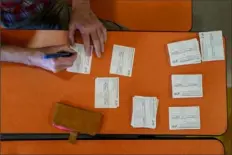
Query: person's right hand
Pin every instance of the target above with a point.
(54, 65)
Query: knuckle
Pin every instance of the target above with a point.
(85, 32)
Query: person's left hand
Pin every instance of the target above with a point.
(84, 20)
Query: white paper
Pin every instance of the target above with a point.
(212, 47)
(83, 62)
(122, 60)
(187, 86)
(184, 52)
(106, 92)
(144, 112)
(181, 118)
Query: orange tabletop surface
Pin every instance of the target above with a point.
(154, 147)
(28, 95)
(147, 15)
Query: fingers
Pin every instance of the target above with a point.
(60, 68)
(71, 34)
(96, 31)
(102, 39)
(86, 41)
(66, 60)
(62, 64)
(96, 43)
(103, 29)
(85, 37)
(58, 64)
(67, 48)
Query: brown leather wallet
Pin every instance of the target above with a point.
(76, 120)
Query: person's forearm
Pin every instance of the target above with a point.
(17, 54)
(81, 3)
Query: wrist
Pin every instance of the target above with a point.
(80, 5)
(35, 58)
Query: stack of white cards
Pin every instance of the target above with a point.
(212, 47)
(187, 86)
(181, 118)
(106, 92)
(144, 112)
(83, 62)
(122, 60)
(184, 52)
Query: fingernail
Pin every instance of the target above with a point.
(99, 55)
(103, 49)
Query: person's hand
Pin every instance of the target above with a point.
(91, 29)
(54, 65)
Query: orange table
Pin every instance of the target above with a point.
(28, 95)
(146, 15)
(149, 147)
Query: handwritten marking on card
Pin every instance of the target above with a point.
(181, 118)
(106, 92)
(212, 47)
(184, 52)
(122, 60)
(83, 62)
(144, 112)
(187, 86)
